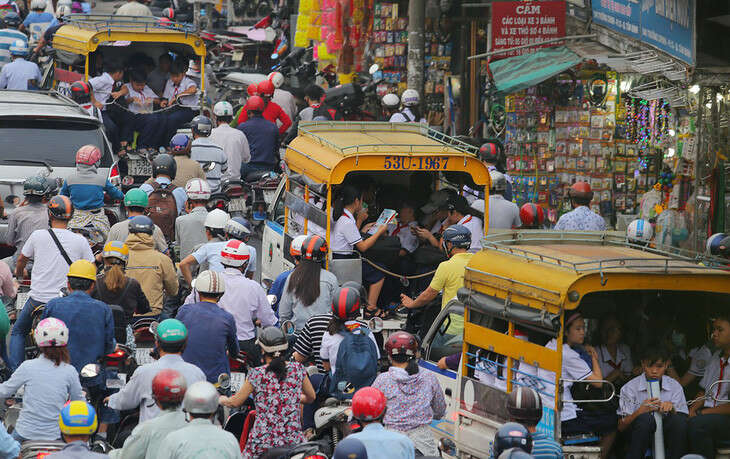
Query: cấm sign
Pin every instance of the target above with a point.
(522, 23)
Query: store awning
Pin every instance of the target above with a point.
(520, 72)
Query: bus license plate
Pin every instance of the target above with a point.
(425, 163)
(139, 167)
(237, 205)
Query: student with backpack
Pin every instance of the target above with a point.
(350, 343)
(166, 201)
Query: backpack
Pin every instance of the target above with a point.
(357, 362)
(162, 208)
(385, 250)
(330, 113)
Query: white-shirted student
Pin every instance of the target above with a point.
(182, 90)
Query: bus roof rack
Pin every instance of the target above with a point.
(103, 22)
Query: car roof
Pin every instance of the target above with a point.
(46, 104)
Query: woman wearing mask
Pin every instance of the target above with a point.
(414, 397)
(278, 388)
(308, 290)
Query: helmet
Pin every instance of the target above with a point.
(489, 151)
(350, 448)
(524, 405)
(116, 249)
(515, 453)
(216, 219)
(498, 183)
(235, 253)
(168, 13)
(277, 79)
(60, 208)
(168, 386)
(209, 282)
(295, 248)
(235, 230)
(401, 343)
(164, 164)
(201, 125)
(410, 98)
(272, 340)
(141, 224)
(640, 231)
(36, 185)
(51, 332)
(255, 104)
(713, 243)
(83, 269)
(18, 47)
(252, 90)
(346, 303)
(171, 331)
(197, 189)
(581, 191)
(368, 404)
(266, 88)
(80, 92)
(201, 398)
(458, 236)
(391, 100)
(12, 19)
(62, 10)
(531, 215)
(77, 418)
(179, 143)
(246, 224)
(65, 2)
(38, 5)
(360, 288)
(223, 108)
(511, 435)
(136, 198)
(88, 155)
(314, 248)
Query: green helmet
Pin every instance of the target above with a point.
(36, 185)
(135, 198)
(171, 331)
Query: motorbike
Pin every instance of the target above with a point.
(231, 199)
(350, 98)
(40, 448)
(135, 167)
(261, 187)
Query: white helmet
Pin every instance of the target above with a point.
(51, 332)
(216, 219)
(235, 253)
(38, 5)
(64, 2)
(209, 282)
(201, 398)
(223, 108)
(410, 97)
(198, 190)
(236, 230)
(62, 10)
(277, 79)
(498, 181)
(19, 48)
(391, 100)
(295, 249)
(640, 231)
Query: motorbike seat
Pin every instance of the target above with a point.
(255, 176)
(247, 426)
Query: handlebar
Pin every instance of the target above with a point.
(613, 389)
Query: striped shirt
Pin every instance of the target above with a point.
(204, 151)
(7, 38)
(544, 447)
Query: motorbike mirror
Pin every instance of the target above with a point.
(224, 381)
(153, 327)
(271, 299)
(447, 445)
(288, 327)
(373, 69)
(90, 370)
(376, 324)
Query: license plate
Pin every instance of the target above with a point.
(20, 300)
(142, 355)
(114, 383)
(237, 380)
(139, 167)
(237, 205)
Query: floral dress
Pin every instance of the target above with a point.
(278, 421)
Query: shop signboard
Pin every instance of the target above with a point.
(522, 23)
(665, 24)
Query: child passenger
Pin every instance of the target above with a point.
(141, 99)
(181, 90)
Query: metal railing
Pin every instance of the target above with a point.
(107, 22)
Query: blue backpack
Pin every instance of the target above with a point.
(357, 362)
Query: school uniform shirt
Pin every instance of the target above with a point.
(147, 96)
(622, 360)
(331, 344)
(503, 214)
(573, 368)
(717, 368)
(16, 74)
(7, 38)
(406, 116)
(699, 358)
(103, 86)
(190, 101)
(408, 241)
(345, 234)
(634, 392)
(476, 226)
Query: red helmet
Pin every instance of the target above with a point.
(80, 92)
(368, 404)
(401, 343)
(168, 386)
(346, 303)
(168, 13)
(88, 154)
(255, 104)
(531, 215)
(252, 90)
(266, 88)
(60, 208)
(581, 191)
(490, 151)
(314, 248)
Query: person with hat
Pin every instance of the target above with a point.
(460, 214)
(503, 214)
(171, 338)
(581, 218)
(78, 423)
(164, 171)
(186, 167)
(20, 74)
(369, 406)
(411, 113)
(190, 227)
(282, 97)
(262, 135)
(511, 435)
(532, 215)
(168, 390)
(270, 110)
(58, 248)
(435, 212)
(233, 141)
(208, 153)
(135, 204)
(9, 33)
(32, 215)
(524, 406)
(208, 255)
(491, 153)
(211, 329)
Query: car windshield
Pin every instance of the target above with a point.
(52, 141)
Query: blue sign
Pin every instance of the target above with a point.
(665, 24)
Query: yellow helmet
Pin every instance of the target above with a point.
(77, 418)
(83, 269)
(116, 249)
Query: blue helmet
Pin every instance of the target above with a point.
(350, 448)
(246, 224)
(458, 235)
(512, 435)
(141, 224)
(12, 19)
(515, 453)
(179, 142)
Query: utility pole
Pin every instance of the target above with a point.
(416, 40)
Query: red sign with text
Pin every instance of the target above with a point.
(522, 23)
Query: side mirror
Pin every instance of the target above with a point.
(373, 69)
(375, 324)
(272, 299)
(224, 381)
(153, 328)
(447, 445)
(288, 328)
(90, 370)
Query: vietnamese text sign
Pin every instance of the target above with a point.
(522, 23)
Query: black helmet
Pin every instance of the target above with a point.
(458, 236)
(314, 248)
(515, 453)
(36, 185)
(164, 164)
(12, 19)
(512, 435)
(524, 406)
(141, 224)
(81, 92)
(272, 341)
(201, 125)
(350, 448)
(346, 303)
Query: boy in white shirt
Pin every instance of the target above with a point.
(180, 90)
(142, 100)
(102, 87)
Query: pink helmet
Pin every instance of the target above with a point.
(51, 332)
(88, 154)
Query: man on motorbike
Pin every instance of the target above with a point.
(78, 423)
(263, 138)
(187, 168)
(210, 253)
(240, 228)
(201, 438)
(170, 339)
(164, 170)
(168, 390)
(390, 103)
(81, 94)
(54, 250)
(135, 203)
(190, 227)
(233, 141)
(208, 153)
(270, 110)
(8, 34)
(29, 217)
(282, 97)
